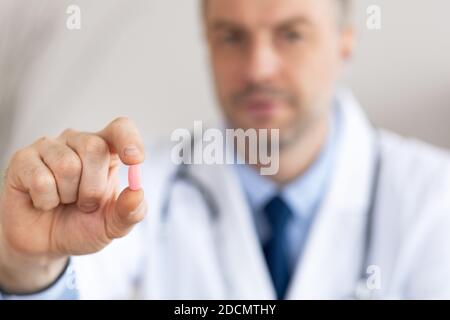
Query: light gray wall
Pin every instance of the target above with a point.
(401, 74)
(145, 59)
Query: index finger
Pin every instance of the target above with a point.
(124, 138)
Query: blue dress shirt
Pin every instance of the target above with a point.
(304, 195)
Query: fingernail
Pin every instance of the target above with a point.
(131, 151)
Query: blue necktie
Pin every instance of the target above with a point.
(275, 250)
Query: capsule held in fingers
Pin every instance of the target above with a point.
(134, 177)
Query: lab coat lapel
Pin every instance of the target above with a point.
(241, 258)
(331, 263)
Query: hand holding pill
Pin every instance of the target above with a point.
(64, 190)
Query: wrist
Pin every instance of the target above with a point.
(25, 274)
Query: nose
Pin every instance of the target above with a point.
(263, 62)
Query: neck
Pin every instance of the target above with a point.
(297, 157)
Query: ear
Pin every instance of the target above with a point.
(347, 43)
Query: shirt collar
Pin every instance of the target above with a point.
(305, 193)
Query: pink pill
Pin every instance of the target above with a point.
(134, 177)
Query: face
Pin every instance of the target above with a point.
(275, 62)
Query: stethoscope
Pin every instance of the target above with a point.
(362, 291)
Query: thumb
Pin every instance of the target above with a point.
(130, 208)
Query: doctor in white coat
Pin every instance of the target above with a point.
(353, 212)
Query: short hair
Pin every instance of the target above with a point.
(345, 11)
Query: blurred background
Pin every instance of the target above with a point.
(145, 59)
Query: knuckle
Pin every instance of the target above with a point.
(20, 156)
(17, 158)
(42, 183)
(94, 145)
(20, 164)
(68, 132)
(68, 166)
(43, 140)
(120, 121)
(121, 125)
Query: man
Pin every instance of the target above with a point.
(302, 233)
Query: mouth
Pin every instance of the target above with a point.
(261, 109)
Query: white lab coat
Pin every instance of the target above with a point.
(192, 258)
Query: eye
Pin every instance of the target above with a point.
(292, 35)
(232, 37)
